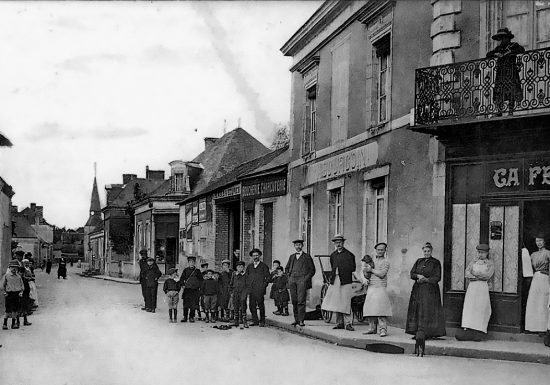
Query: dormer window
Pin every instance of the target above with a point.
(178, 183)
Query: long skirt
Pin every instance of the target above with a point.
(377, 303)
(477, 306)
(13, 304)
(425, 311)
(536, 312)
(338, 298)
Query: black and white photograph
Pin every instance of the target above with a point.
(275, 192)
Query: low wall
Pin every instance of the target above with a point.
(124, 270)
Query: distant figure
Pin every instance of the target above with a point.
(49, 266)
(507, 81)
(62, 269)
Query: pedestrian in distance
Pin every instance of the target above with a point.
(62, 269)
(209, 290)
(142, 269)
(339, 293)
(172, 288)
(300, 270)
(239, 291)
(224, 293)
(257, 278)
(281, 295)
(190, 281)
(425, 313)
(273, 276)
(12, 287)
(377, 306)
(152, 275)
(48, 266)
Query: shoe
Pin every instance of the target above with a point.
(350, 328)
(383, 334)
(246, 325)
(262, 324)
(148, 310)
(241, 326)
(152, 310)
(183, 320)
(254, 323)
(285, 313)
(339, 326)
(143, 308)
(206, 321)
(192, 320)
(213, 321)
(27, 323)
(277, 312)
(15, 327)
(302, 324)
(371, 332)
(5, 327)
(295, 323)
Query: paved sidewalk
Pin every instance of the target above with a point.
(448, 346)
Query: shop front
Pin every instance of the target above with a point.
(227, 208)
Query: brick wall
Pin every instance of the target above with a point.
(221, 245)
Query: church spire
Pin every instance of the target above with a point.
(95, 205)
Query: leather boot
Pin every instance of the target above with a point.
(213, 317)
(175, 311)
(170, 313)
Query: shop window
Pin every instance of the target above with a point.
(305, 219)
(310, 121)
(336, 222)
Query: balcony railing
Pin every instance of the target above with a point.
(482, 88)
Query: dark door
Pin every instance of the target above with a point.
(268, 233)
(171, 253)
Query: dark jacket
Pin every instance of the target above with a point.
(257, 278)
(171, 285)
(209, 287)
(301, 269)
(238, 285)
(191, 278)
(224, 281)
(142, 268)
(152, 275)
(280, 290)
(345, 262)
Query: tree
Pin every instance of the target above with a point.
(281, 137)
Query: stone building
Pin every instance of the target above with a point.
(32, 233)
(93, 252)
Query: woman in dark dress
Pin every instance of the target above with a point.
(62, 269)
(425, 310)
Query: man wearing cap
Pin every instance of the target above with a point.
(152, 275)
(257, 279)
(300, 270)
(224, 281)
(191, 281)
(142, 269)
(338, 296)
(377, 305)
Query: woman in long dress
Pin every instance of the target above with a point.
(477, 304)
(536, 312)
(425, 310)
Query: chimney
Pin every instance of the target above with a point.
(209, 143)
(14, 209)
(33, 206)
(128, 177)
(154, 174)
(39, 214)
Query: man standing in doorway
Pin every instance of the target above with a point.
(142, 269)
(377, 302)
(300, 270)
(257, 278)
(339, 293)
(236, 258)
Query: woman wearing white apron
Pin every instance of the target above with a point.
(536, 312)
(477, 304)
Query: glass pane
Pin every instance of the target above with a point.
(383, 108)
(511, 249)
(458, 252)
(521, 28)
(496, 214)
(543, 26)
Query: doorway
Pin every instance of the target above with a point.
(234, 231)
(268, 233)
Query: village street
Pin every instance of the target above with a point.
(90, 331)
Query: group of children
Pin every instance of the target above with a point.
(19, 289)
(223, 295)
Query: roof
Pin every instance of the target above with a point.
(278, 163)
(4, 142)
(240, 171)
(22, 227)
(95, 220)
(95, 205)
(126, 194)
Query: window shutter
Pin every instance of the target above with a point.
(307, 129)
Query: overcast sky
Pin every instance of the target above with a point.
(128, 84)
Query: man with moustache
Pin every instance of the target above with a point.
(257, 278)
(300, 270)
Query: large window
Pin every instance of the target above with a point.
(379, 188)
(529, 21)
(310, 115)
(381, 63)
(336, 220)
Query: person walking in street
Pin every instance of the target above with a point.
(172, 288)
(239, 291)
(12, 286)
(62, 269)
(152, 275)
(257, 278)
(48, 266)
(377, 306)
(209, 291)
(339, 293)
(477, 303)
(280, 294)
(537, 311)
(300, 270)
(142, 269)
(425, 311)
(223, 287)
(190, 281)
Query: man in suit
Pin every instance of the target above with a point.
(300, 270)
(142, 270)
(257, 278)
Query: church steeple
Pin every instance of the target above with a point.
(95, 205)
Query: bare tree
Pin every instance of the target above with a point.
(281, 136)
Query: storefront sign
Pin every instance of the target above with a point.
(341, 164)
(228, 192)
(530, 175)
(266, 187)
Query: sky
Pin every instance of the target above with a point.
(132, 84)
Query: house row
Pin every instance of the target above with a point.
(396, 136)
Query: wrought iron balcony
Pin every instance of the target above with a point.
(483, 88)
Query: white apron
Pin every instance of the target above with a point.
(477, 306)
(338, 298)
(536, 312)
(377, 303)
(33, 294)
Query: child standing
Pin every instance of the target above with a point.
(239, 291)
(273, 278)
(209, 292)
(281, 295)
(223, 286)
(12, 284)
(172, 288)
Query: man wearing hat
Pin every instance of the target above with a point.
(300, 270)
(257, 279)
(142, 269)
(152, 275)
(339, 293)
(507, 81)
(377, 306)
(224, 295)
(191, 281)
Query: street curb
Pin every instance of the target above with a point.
(451, 351)
(113, 279)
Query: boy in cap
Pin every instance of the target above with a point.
(152, 275)
(190, 280)
(204, 268)
(239, 292)
(209, 291)
(12, 284)
(280, 294)
(273, 277)
(172, 288)
(223, 287)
